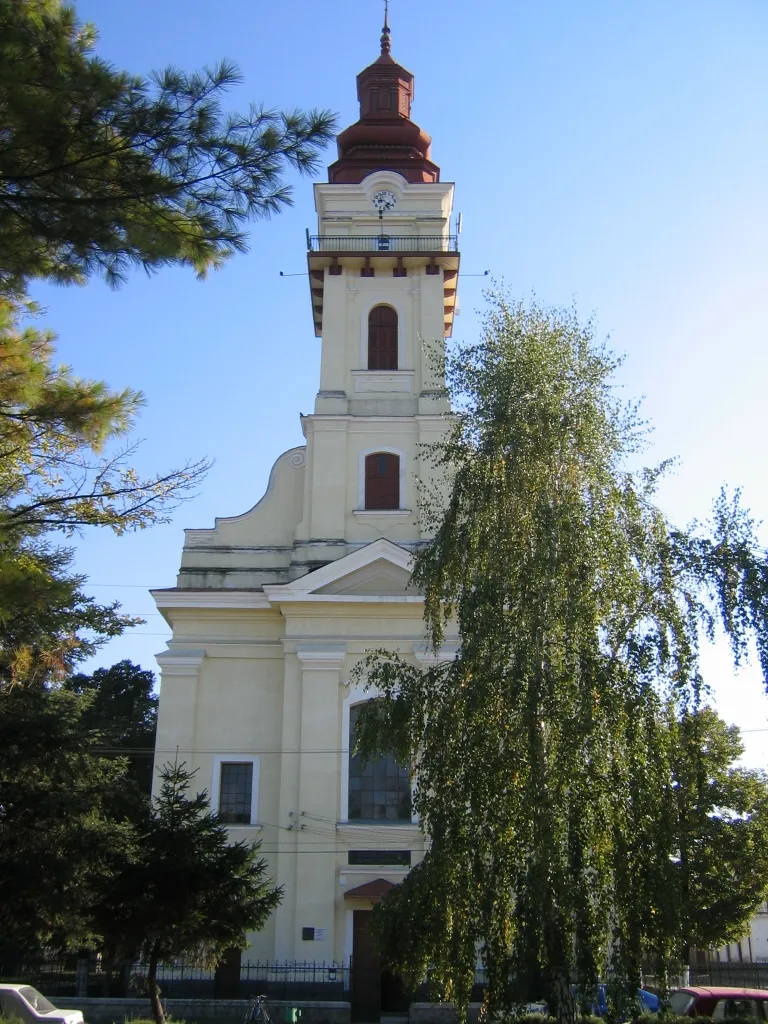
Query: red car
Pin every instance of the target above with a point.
(721, 1003)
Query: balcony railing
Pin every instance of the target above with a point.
(382, 243)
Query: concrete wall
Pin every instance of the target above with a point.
(202, 1011)
(440, 1013)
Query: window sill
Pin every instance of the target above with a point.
(255, 826)
(381, 512)
(356, 826)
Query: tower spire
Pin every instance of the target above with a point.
(386, 44)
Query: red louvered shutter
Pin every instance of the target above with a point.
(382, 338)
(382, 481)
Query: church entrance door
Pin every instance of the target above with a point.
(366, 970)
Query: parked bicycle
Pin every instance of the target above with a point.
(258, 1010)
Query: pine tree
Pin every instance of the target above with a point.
(59, 473)
(61, 831)
(101, 170)
(189, 892)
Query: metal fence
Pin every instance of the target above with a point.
(321, 982)
(383, 243)
(742, 975)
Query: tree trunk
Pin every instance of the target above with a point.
(564, 1000)
(154, 991)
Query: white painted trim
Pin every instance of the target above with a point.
(349, 931)
(385, 450)
(363, 512)
(379, 870)
(369, 303)
(180, 663)
(426, 657)
(218, 760)
(173, 598)
(356, 833)
(307, 596)
(316, 657)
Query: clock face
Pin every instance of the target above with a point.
(385, 201)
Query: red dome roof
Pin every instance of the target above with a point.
(384, 138)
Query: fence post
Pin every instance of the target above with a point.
(226, 979)
(81, 981)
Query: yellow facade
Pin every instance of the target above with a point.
(273, 609)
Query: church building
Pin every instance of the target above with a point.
(273, 608)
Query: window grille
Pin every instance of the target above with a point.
(235, 792)
(380, 858)
(379, 790)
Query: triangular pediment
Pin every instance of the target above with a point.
(380, 569)
(380, 578)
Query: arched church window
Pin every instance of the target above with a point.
(382, 480)
(382, 338)
(379, 790)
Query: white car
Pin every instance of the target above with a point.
(26, 1004)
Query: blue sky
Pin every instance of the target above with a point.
(610, 154)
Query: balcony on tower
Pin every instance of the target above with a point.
(360, 236)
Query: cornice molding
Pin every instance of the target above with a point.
(246, 599)
(180, 663)
(427, 657)
(316, 657)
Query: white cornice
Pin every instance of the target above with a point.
(242, 599)
(426, 656)
(180, 663)
(306, 597)
(315, 657)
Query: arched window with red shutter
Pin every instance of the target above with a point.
(382, 481)
(382, 338)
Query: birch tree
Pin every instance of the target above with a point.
(542, 755)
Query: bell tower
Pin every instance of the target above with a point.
(383, 273)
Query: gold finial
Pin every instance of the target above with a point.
(385, 34)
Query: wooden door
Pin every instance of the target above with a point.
(366, 970)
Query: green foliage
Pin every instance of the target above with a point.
(54, 429)
(722, 831)
(55, 475)
(47, 624)
(544, 755)
(101, 170)
(60, 832)
(189, 892)
(123, 711)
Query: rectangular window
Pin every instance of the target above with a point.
(235, 792)
(398, 858)
(379, 790)
(382, 481)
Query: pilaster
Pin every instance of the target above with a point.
(318, 795)
(176, 720)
